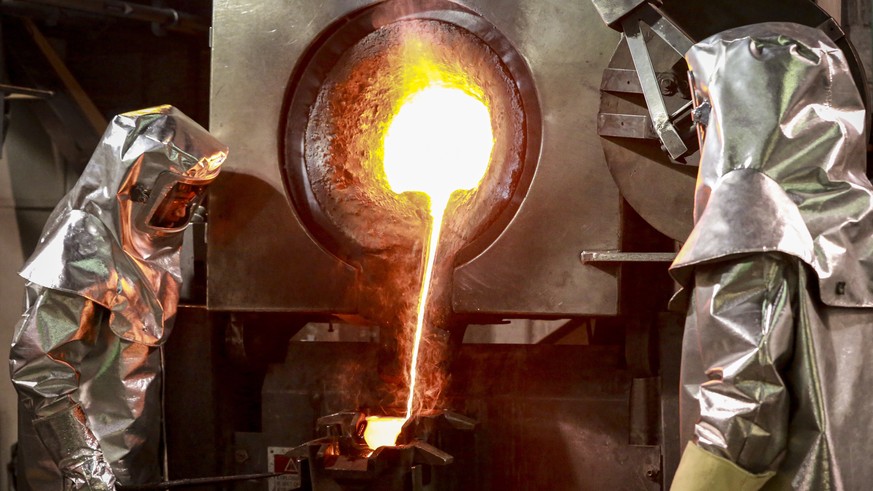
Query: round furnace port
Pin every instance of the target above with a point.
(342, 98)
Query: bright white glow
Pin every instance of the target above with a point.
(382, 431)
(438, 142)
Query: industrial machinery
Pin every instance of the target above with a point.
(588, 191)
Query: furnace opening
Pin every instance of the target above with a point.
(340, 108)
(349, 100)
(439, 141)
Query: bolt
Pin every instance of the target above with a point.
(668, 84)
(653, 474)
(240, 455)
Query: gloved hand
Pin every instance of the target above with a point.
(75, 450)
(700, 470)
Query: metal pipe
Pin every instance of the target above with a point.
(14, 91)
(197, 481)
(165, 18)
(625, 257)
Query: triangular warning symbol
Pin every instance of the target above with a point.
(291, 467)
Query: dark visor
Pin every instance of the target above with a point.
(175, 209)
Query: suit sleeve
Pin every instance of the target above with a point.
(739, 338)
(56, 332)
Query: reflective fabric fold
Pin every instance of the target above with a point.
(76, 450)
(738, 342)
(92, 243)
(103, 286)
(726, 227)
(778, 266)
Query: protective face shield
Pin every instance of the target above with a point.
(160, 192)
(169, 205)
(126, 213)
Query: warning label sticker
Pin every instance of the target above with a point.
(278, 461)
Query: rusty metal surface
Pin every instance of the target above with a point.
(262, 257)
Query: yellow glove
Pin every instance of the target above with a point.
(703, 471)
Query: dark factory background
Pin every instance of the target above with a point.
(66, 67)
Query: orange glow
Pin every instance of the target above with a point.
(382, 431)
(439, 142)
(437, 210)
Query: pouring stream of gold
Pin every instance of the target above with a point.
(439, 142)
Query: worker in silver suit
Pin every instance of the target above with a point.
(776, 390)
(102, 291)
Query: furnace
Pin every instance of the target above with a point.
(334, 73)
(305, 225)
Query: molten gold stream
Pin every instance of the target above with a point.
(438, 142)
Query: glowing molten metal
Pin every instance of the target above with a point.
(439, 142)
(382, 431)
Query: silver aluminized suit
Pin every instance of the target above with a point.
(776, 393)
(102, 292)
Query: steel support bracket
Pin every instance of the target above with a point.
(651, 90)
(626, 126)
(612, 11)
(630, 15)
